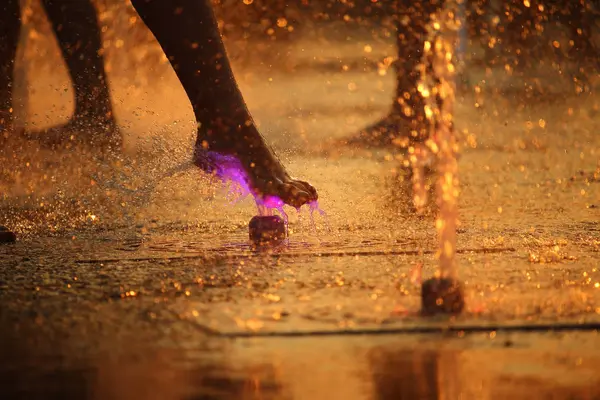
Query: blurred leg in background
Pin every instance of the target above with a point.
(75, 25)
(10, 24)
(406, 121)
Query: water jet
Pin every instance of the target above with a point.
(6, 236)
(443, 294)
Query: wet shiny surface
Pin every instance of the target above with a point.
(129, 289)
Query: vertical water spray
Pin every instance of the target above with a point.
(419, 160)
(447, 183)
(443, 293)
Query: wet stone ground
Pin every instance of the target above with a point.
(162, 297)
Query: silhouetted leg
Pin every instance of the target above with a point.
(76, 27)
(228, 141)
(580, 22)
(406, 119)
(10, 24)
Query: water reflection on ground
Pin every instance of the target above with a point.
(479, 366)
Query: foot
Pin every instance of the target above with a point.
(390, 130)
(244, 157)
(80, 131)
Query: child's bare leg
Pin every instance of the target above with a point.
(227, 136)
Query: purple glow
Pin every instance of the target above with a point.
(229, 168)
(271, 202)
(314, 205)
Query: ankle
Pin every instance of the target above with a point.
(227, 139)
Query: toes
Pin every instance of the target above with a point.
(308, 188)
(294, 195)
(298, 193)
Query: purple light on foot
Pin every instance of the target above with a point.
(229, 168)
(271, 202)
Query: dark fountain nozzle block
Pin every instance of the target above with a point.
(267, 230)
(442, 296)
(7, 236)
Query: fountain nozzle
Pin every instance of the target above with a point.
(267, 230)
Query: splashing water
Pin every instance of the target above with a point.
(440, 57)
(314, 206)
(228, 169)
(420, 159)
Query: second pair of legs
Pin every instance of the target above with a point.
(187, 31)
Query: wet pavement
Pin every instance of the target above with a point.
(148, 287)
